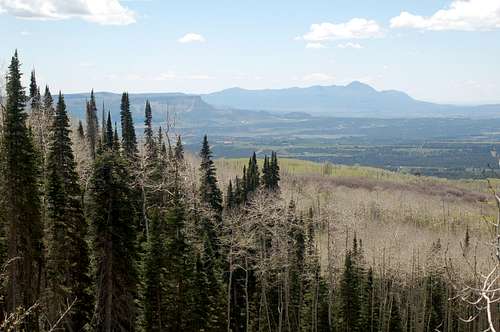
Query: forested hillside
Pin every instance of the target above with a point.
(108, 229)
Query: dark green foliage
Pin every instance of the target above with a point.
(81, 131)
(350, 292)
(48, 102)
(153, 276)
(252, 175)
(67, 257)
(209, 189)
(92, 125)
(149, 141)
(21, 208)
(370, 305)
(230, 196)
(35, 98)
(129, 141)
(274, 171)
(179, 149)
(111, 214)
(211, 196)
(116, 139)
(395, 321)
(179, 271)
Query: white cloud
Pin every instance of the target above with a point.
(106, 12)
(461, 15)
(350, 45)
(318, 77)
(191, 38)
(25, 33)
(356, 28)
(315, 45)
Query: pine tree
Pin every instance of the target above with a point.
(209, 190)
(48, 102)
(252, 177)
(112, 217)
(179, 268)
(81, 131)
(34, 96)
(92, 125)
(149, 143)
(274, 171)
(370, 305)
(67, 258)
(230, 197)
(153, 292)
(129, 141)
(22, 201)
(116, 139)
(179, 149)
(209, 237)
(266, 174)
(395, 317)
(349, 292)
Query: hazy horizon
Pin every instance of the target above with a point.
(442, 51)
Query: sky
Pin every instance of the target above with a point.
(435, 50)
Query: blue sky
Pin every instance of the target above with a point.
(436, 50)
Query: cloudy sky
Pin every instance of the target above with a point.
(436, 50)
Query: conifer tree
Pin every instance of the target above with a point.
(81, 131)
(35, 98)
(111, 213)
(395, 321)
(22, 201)
(274, 171)
(129, 141)
(230, 197)
(209, 237)
(48, 102)
(266, 174)
(209, 190)
(179, 149)
(116, 139)
(149, 143)
(154, 297)
(349, 292)
(252, 177)
(67, 258)
(92, 125)
(179, 267)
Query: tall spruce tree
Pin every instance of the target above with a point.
(67, 258)
(179, 149)
(274, 171)
(22, 201)
(253, 177)
(92, 125)
(35, 98)
(211, 195)
(48, 101)
(209, 189)
(111, 213)
(179, 267)
(149, 140)
(154, 297)
(129, 141)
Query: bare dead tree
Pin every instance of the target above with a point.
(483, 293)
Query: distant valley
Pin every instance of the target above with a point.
(353, 124)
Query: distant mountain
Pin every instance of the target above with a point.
(353, 100)
(161, 102)
(187, 110)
